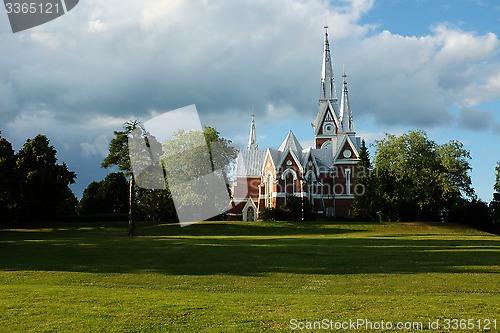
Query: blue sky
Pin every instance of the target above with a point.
(424, 64)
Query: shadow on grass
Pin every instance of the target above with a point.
(243, 249)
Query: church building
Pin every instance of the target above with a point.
(323, 174)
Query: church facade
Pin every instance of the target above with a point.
(323, 174)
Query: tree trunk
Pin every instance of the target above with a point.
(131, 207)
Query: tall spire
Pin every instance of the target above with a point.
(328, 91)
(346, 120)
(252, 140)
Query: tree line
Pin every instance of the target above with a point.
(33, 186)
(411, 177)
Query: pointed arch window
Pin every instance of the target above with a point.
(348, 181)
(268, 182)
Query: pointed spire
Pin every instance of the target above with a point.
(346, 120)
(252, 140)
(328, 91)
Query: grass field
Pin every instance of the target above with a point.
(245, 277)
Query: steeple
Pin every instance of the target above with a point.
(346, 120)
(328, 91)
(252, 140)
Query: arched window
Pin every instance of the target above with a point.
(327, 145)
(289, 176)
(268, 182)
(348, 181)
(311, 184)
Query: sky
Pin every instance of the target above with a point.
(411, 64)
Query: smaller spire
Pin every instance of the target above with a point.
(346, 119)
(252, 140)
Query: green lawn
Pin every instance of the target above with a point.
(245, 277)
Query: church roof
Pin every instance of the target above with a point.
(249, 162)
(290, 143)
(324, 157)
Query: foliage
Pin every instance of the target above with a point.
(145, 155)
(364, 185)
(8, 180)
(155, 205)
(119, 156)
(109, 196)
(118, 148)
(295, 209)
(187, 161)
(43, 184)
(474, 213)
(416, 178)
(496, 187)
(495, 203)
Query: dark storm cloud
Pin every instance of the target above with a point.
(478, 120)
(81, 76)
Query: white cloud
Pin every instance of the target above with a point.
(81, 76)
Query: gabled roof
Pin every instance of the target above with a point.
(290, 143)
(249, 163)
(352, 141)
(324, 107)
(323, 157)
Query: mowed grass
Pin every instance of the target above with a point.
(244, 277)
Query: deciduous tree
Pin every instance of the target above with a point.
(43, 184)
(418, 178)
(8, 180)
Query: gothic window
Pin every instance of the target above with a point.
(269, 190)
(311, 187)
(348, 181)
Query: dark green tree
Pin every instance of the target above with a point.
(91, 201)
(114, 190)
(8, 181)
(43, 184)
(119, 156)
(109, 196)
(364, 188)
(416, 178)
(495, 203)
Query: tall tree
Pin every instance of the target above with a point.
(8, 180)
(495, 203)
(364, 191)
(496, 187)
(119, 156)
(44, 184)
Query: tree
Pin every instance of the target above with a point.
(119, 156)
(418, 178)
(187, 162)
(495, 203)
(8, 180)
(91, 201)
(496, 187)
(44, 191)
(364, 199)
(109, 196)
